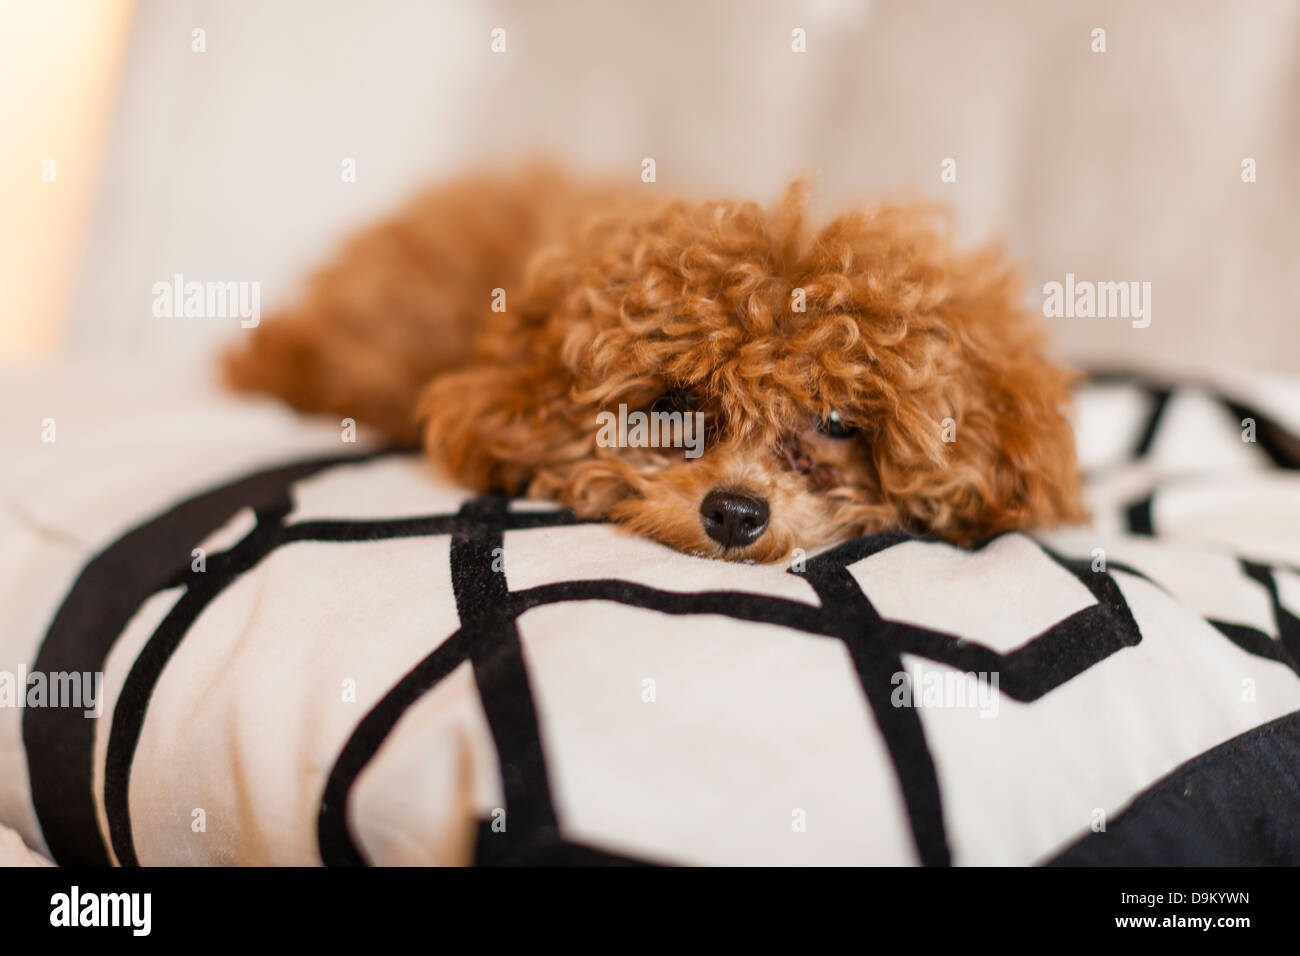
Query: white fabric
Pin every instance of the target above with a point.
(751, 725)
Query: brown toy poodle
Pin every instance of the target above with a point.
(861, 376)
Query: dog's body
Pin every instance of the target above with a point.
(860, 377)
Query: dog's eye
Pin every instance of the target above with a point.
(698, 430)
(677, 400)
(833, 426)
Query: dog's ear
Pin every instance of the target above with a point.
(1008, 462)
(494, 427)
(966, 413)
(1007, 446)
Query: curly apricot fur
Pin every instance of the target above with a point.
(614, 295)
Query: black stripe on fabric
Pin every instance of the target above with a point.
(387, 528)
(1159, 403)
(1287, 623)
(1138, 516)
(1281, 445)
(844, 613)
(738, 605)
(1028, 672)
(1278, 443)
(853, 619)
(1252, 640)
(1285, 646)
(59, 742)
(482, 600)
(1288, 627)
(1234, 805)
(133, 702)
(1285, 649)
(336, 846)
(489, 639)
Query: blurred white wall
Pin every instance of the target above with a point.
(59, 63)
(1122, 165)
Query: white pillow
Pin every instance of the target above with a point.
(372, 666)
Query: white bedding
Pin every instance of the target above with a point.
(652, 724)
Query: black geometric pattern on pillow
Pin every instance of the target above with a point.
(1274, 440)
(156, 556)
(1282, 450)
(488, 638)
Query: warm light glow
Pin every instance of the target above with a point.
(59, 62)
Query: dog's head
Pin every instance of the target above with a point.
(795, 388)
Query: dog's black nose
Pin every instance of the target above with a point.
(733, 520)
